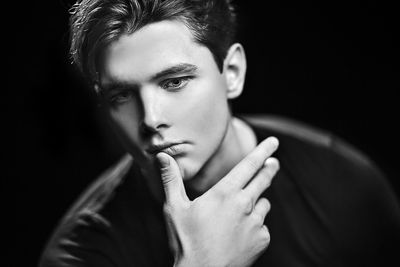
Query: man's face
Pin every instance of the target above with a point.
(164, 92)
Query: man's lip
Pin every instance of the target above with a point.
(154, 149)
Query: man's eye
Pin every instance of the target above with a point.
(121, 97)
(175, 83)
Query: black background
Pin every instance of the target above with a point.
(332, 65)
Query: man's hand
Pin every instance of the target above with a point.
(224, 226)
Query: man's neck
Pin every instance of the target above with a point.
(237, 143)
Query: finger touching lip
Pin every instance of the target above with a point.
(172, 149)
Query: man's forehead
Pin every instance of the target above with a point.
(152, 49)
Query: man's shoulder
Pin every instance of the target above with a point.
(284, 126)
(316, 158)
(329, 189)
(303, 137)
(87, 220)
(92, 202)
(99, 192)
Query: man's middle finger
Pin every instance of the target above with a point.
(262, 180)
(242, 173)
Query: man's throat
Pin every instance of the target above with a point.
(239, 140)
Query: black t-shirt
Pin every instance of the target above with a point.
(330, 207)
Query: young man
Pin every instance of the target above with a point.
(192, 189)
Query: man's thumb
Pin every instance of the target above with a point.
(171, 179)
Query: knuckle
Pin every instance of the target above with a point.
(167, 208)
(171, 210)
(266, 179)
(220, 192)
(167, 178)
(164, 169)
(262, 211)
(265, 237)
(269, 173)
(267, 205)
(258, 219)
(263, 180)
(265, 202)
(245, 203)
(251, 164)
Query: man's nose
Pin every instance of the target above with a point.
(153, 116)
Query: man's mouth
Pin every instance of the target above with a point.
(171, 149)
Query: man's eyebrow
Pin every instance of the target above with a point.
(176, 69)
(173, 70)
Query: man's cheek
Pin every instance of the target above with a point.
(125, 120)
(207, 109)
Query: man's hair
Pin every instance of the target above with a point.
(94, 24)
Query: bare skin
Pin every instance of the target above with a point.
(224, 226)
(165, 95)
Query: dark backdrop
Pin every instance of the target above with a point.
(333, 65)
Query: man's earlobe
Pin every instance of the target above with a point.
(235, 70)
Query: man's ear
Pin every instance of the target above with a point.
(235, 70)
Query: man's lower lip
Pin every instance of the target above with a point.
(173, 150)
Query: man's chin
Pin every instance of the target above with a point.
(187, 168)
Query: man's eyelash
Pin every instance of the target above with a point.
(183, 81)
(120, 96)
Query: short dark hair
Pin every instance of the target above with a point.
(94, 24)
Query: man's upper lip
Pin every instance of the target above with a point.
(153, 149)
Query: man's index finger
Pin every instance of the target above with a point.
(244, 171)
